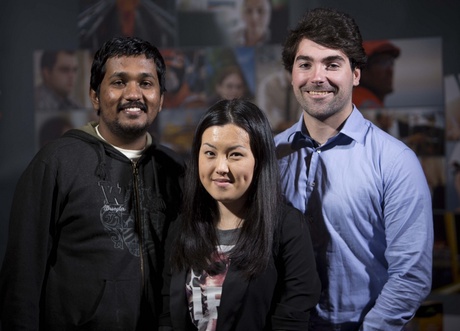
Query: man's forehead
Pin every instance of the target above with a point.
(310, 51)
(307, 46)
(130, 65)
(125, 60)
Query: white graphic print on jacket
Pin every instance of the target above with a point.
(118, 216)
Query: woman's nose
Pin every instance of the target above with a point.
(222, 165)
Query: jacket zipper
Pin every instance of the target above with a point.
(139, 221)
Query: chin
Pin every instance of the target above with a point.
(132, 131)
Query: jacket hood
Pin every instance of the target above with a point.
(90, 128)
(89, 135)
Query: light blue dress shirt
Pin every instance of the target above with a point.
(369, 207)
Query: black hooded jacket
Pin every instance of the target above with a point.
(86, 235)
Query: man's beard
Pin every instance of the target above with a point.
(127, 131)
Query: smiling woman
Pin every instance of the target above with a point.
(226, 166)
(236, 243)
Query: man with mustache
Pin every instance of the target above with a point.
(91, 211)
(363, 192)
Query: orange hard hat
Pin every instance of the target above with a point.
(380, 46)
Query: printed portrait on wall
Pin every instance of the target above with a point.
(401, 91)
(232, 23)
(61, 100)
(275, 95)
(60, 80)
(401, 73)
(230, 73)
(185, 77)
(151, 20)
(452, 101)
(453, 176)
(176, 128)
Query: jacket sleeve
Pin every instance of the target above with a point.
(409, 237)
(29, 244)
(165, 316)
(298, 278)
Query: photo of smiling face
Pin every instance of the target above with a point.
(129, 99)
(323, 80)
(256, 15)
(231, 87)
(226, 164)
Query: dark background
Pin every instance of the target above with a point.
(27, 25)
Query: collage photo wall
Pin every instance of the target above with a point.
(208, 58)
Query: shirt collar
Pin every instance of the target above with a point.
(355, 127)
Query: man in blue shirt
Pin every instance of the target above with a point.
(364, 192)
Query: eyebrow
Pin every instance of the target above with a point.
(331, 58)
(230, 148)
(125, 74)
(208, 144)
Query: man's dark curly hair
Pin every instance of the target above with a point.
(329, 28)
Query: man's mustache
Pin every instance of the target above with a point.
(133, 104)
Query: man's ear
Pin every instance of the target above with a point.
(45, 75)
(94, 99)
(162, 97)
(356, 76)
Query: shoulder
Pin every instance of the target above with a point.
(398, 164)
(291, 219)
(287, 144)
(283, 137)
(69, 144)
(386, 145)
(371, 139)
(288, 210)
(61, 157)
(284, 140)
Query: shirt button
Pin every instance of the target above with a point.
(319, 151)
(313, 184)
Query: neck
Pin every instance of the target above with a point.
(228, 218)
(136, 144)
(323, 129)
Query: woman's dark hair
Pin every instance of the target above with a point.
(197, 239)
(227, 71)
(329, 28)
(125, 46)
